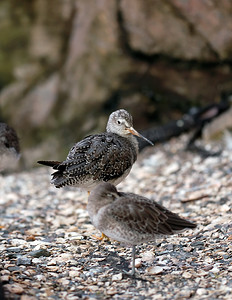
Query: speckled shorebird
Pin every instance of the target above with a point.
(102, 157)
(131, 219)
(9, 148)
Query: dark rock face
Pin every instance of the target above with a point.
(87, 58)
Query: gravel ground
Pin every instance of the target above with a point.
(48, 250)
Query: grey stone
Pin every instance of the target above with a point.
(23, 260)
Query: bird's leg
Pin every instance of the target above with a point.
(132, 273)
(133, 261)
(88, 193)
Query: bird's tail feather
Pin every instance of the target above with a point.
(48, 163)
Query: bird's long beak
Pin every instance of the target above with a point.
(134, 132)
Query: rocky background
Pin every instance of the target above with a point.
(65, 65)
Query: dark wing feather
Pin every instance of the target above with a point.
(49, 163)
(139, 216)
(145, 216)
(104, 157)
(177, 223)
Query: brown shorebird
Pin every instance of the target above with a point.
(9, 148)
(102, 157)
(130, 218)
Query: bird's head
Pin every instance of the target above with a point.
(103, 194)
(121, 123)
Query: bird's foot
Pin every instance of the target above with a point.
(131, 273)
(103, 236)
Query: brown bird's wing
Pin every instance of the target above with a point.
(145, 216)
(139, 216)
(174, 220)
(101, 157)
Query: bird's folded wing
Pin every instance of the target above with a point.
(101, 156)
(140, 216)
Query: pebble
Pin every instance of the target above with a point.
(5, 278)
(36, 261)
(154, 270)
(117, 277)
(39, 253)
(207, 268)
(138, 262)
(154, 161)
(18, 242)
(26, 297)
(52, 268)
(187, 249)
(22, 260)
(93, 272)
(111, 291)
(51, 228)
(40, 277)
(215, 270)
(148, 257)
(172, 168)
(74, 273)
(184, 294)
(187, 274)
(201, 291)
(14, 288)
(14, 249)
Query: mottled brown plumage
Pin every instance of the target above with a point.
(9, 147)
(130, 218)
(101, 157)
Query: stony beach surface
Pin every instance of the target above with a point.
(48, 249)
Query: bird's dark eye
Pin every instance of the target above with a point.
(119, 122)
